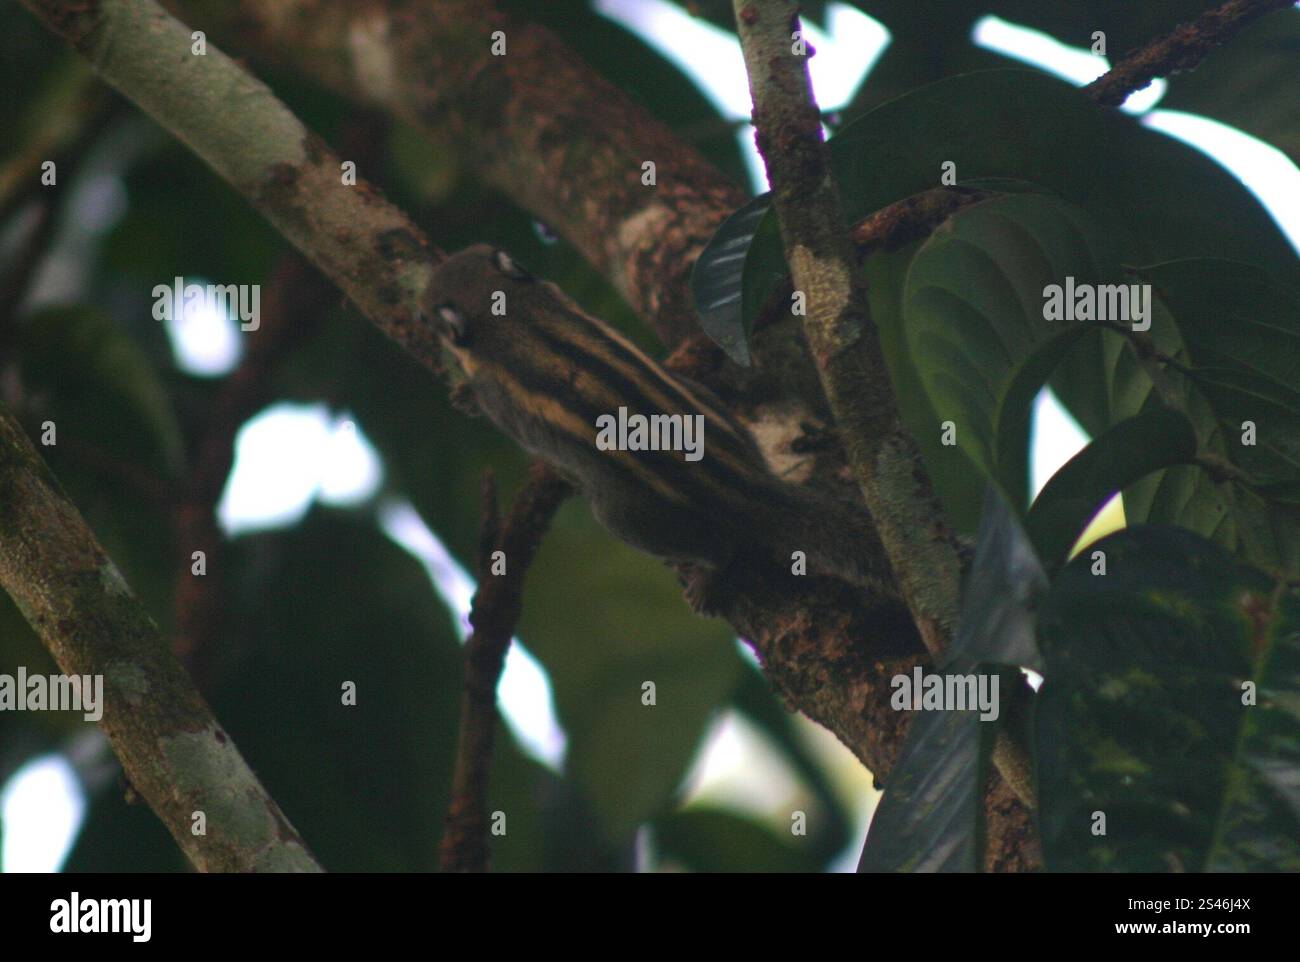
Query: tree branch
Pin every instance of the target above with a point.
(497, 606)
(171, 748)
(536, 123)
(361, 242)
(1181, 49)
(922, 548)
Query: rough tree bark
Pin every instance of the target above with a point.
(171, 748)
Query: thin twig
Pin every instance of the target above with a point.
(1181, 49)
(497, 606)
(912, 218)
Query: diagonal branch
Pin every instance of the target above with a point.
(365, 245)
(535, 122)
(171, 747)
(1181, 49)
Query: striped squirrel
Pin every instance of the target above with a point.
(546, 373)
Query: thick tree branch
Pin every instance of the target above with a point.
(922, 548)
(171, 748)
(1181, 49)
(497, 606)
(536, 123)
(252, 140)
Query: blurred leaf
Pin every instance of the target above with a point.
(121, 837)
(117, 439)
(31, 60)
(1126, 25)
(1130, 450)
(19, 647)
(715, 840)
(98, 388)
(329, 602)
(550, 826)
(644, 74)
(433, 454)
(828, 832)
(1141, 715)
(604, 619)
(156, 240)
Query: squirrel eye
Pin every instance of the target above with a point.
(509, 266)
(454, 322)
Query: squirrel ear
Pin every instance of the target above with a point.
(509, 266)
(451, 320)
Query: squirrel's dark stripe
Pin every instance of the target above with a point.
(555, 408)
(729, 466)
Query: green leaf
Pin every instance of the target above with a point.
(1141, 716)
(973, 314)
(1242, 332)
(994, 124)
(884, 273)
(930, 818)
(604, 619)
(717, 277)
(1235, 331)
(1002, 593)
(1129, 451)
(1013, 418)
